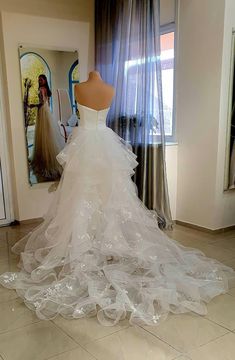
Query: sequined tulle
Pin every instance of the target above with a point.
(100, 252)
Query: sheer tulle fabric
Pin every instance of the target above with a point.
(100, 252)
(47, 144)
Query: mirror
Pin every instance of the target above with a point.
(230, 146)
(50, 112)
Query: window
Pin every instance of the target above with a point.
(33, 65)
(73, 80)
(167, 40)
(167, 64)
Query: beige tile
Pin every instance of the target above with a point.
(183, 357)
(7, 295)
(220, 349)
(232, 291)
(189, 239)
(9, 265)
(230, 262)
(35, 342)
(4, 253)
(131, 344)
(14, 314)
(226, 243)
(181, 233)
(221, 310)
(212, 251)
(187, 331)
(204, 243)
(13, 237)
(3, 241)
(87, 329)
(76, 354)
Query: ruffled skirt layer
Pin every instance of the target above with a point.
(100, 251)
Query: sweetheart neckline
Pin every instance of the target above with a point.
(93, 109)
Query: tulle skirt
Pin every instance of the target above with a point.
(47, 144)
(100, 252)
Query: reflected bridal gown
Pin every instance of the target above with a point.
(99, 251)
(47, 143)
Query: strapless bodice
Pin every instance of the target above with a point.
(91, 118)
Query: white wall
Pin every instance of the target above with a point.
(200, 123)
(171, 170)
(32, 202)
(60, 9)
(167, 11)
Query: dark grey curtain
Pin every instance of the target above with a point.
(128, 57)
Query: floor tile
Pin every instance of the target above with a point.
(24, 339)
(221, 310)
(9, 265)
(12, 238)
(14, 314)
(212, 251)
(226, 243)
(131, 344)
(203, 243)
(230, 262)
(76, 354)
(187, 331)
(220, 349)
(86, 330)
(35, 342)
(3, 241)
(4, 253)
(232, 291)
(7, 295)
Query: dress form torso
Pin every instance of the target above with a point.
(94, 93)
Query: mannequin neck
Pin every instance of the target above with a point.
(94, 76)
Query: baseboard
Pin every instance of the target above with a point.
(30, 221)
(201, 228)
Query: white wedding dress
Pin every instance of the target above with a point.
(100, 251)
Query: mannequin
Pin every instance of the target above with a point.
(94, 93)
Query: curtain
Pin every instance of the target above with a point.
(128, 57)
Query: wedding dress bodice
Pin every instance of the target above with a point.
(91, 118)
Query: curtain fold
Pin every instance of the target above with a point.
(128, 57)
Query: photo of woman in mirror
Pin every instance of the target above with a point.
(47, 141)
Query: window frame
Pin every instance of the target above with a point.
(71, 82)
(165, 29)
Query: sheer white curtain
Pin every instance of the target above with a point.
(128, 56)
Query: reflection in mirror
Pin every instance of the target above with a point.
(50, 112)
(230, 152)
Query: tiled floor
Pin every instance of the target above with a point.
(183, 337)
